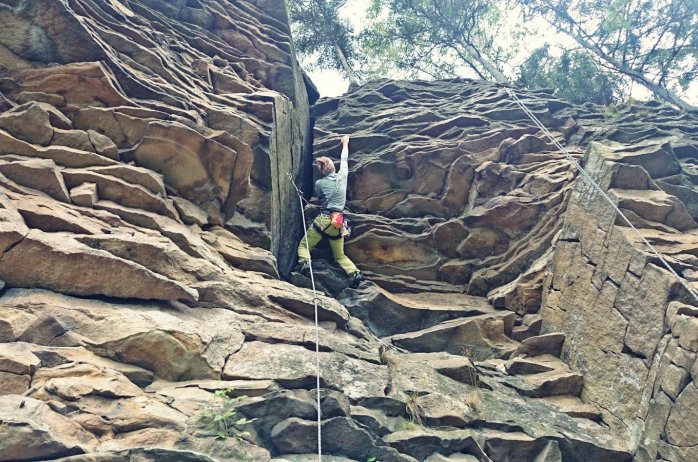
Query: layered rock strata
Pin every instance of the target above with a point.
(454, 187)
(625, 316)
(630, 323)
(146, 218)
(207, 96)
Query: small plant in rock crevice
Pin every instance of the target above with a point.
(389, 357)
(406, 425)
(472, 400)
(611, 112)
(222, 417)
(415, 409)
(472, 378)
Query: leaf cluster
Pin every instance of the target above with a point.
(319, 31)
(222, 418)
(574, 76)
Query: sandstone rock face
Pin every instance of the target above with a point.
(219, 107)
(615, 301)
(596, 281)
(452, 186)
(146, 222)
(27, 420)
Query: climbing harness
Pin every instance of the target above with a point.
(596, 186)
(323, 232)
(317, 325)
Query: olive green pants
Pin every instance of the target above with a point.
(337, 245)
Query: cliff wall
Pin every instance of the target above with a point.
(457, 190)
(147, 226)
(627, 319)
(207, 94)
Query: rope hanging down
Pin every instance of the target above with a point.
(596, 186)
(317, 325)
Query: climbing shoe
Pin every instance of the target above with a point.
(303, 268)
(356, 279)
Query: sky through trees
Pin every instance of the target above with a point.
(596, 51)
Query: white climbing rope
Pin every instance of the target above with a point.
(317, 324)
(596, 186)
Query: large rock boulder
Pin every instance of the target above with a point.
(56, 261)
(31, 430)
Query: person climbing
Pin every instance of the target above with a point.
(332, 191)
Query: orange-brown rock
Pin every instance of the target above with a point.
(39, 174)
(27, 419)
(56, 261)
(146, 221)
(84, 194)
(28, 122)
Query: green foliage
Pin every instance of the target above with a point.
(222, 418)
(654, 42)
(574, 76)
(371, 459)
(436, 38)
(318, 31)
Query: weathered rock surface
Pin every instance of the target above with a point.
(610, 295)
(146, 221)
(166, 107)
(292, 366)
(58, 262)
(454, 190)
(39, 174)
(30, 430)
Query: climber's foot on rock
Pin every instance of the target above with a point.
(356, 279)
(303, 268)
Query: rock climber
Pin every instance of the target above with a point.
(332, 191)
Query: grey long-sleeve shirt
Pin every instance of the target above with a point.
(332, 188)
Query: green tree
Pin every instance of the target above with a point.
(319, 31)
(574, 76)
(654, 42)
(438, 37)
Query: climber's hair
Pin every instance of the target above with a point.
(325, 165)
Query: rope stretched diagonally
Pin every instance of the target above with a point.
(317, 325)
(569, 157)
(596, 186)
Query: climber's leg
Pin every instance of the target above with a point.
(337, 246)
(313, 237)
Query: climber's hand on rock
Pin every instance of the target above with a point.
(345, 140)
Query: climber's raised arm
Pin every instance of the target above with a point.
(344, 159)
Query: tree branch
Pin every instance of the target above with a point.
(577, 33)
